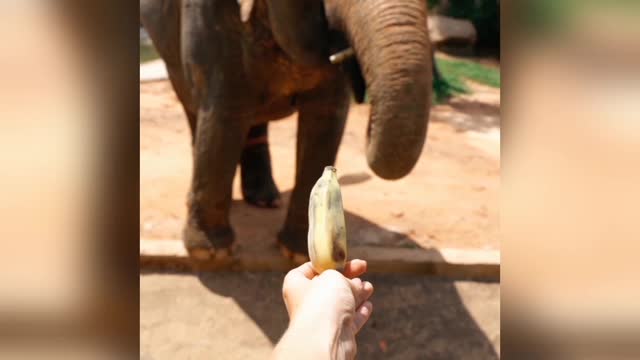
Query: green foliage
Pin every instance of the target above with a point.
(147, 53)
(448, 86)
(470, 70)
(542, 17)
(552, 17)
(432, 3)
(454, 73)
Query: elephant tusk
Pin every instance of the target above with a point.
(341, 56)
(245, 9)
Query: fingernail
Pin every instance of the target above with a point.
(367, 307)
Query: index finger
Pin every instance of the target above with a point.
(304, 270)
(355, 268)
(352, 269)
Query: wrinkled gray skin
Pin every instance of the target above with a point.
(233, 76)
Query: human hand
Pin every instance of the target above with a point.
(330, 303)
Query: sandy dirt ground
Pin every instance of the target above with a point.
(242, 316)
(449, 200)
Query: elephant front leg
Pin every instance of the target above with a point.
(217, 148)
(321, 121)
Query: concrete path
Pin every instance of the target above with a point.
(153, 71)
(241, 316)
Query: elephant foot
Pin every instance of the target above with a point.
(294, 258)
(216, 245)
(258, 187)
(293, 245)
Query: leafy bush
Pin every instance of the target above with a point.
(454, 72)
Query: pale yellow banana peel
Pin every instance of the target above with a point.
(327, 239)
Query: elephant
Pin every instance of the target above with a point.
(235, 65)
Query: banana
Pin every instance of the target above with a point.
(327, 239)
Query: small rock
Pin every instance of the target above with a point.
(383, 345)
(481, 211)
(397, 213)
(479, 188)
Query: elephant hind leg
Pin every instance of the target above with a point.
(258, 187)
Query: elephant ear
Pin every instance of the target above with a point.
(245, 9)
(300, 28)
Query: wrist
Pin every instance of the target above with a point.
(310, 335)
(318, 326)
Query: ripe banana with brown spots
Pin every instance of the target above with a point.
(327, 239)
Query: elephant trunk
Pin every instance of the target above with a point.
(392, 45)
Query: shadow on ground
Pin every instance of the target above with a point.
(353, 178)
(469, 115)
(415, 317)
(257, 228)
